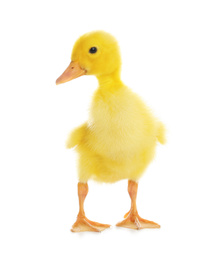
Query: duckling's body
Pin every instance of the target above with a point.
(119, 139)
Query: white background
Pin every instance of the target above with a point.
(170, 58)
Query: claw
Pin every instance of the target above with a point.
(126, 215)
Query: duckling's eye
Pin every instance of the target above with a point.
(93, 50)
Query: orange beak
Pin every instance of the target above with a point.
(72, 71)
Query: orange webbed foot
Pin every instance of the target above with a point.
(83, 224)
(134, 221)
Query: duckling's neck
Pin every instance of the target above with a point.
(110, 82)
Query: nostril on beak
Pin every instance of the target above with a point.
(72, 67)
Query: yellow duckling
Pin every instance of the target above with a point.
(119, 139)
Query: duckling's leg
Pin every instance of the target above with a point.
(82, 223)
(132, 219)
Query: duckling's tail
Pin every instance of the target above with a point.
(76, 136)
(161, 133)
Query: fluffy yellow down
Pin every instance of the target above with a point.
(119, 139)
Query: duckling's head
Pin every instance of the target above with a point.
(95, 53)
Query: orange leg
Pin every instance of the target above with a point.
(82, 223)
(132, 219)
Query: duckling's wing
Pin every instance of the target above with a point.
(161, 133)
(76, 136)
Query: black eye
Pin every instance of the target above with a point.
(93, 50)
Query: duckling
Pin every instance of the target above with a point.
(119, 139)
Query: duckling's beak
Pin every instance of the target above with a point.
(73, 71)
